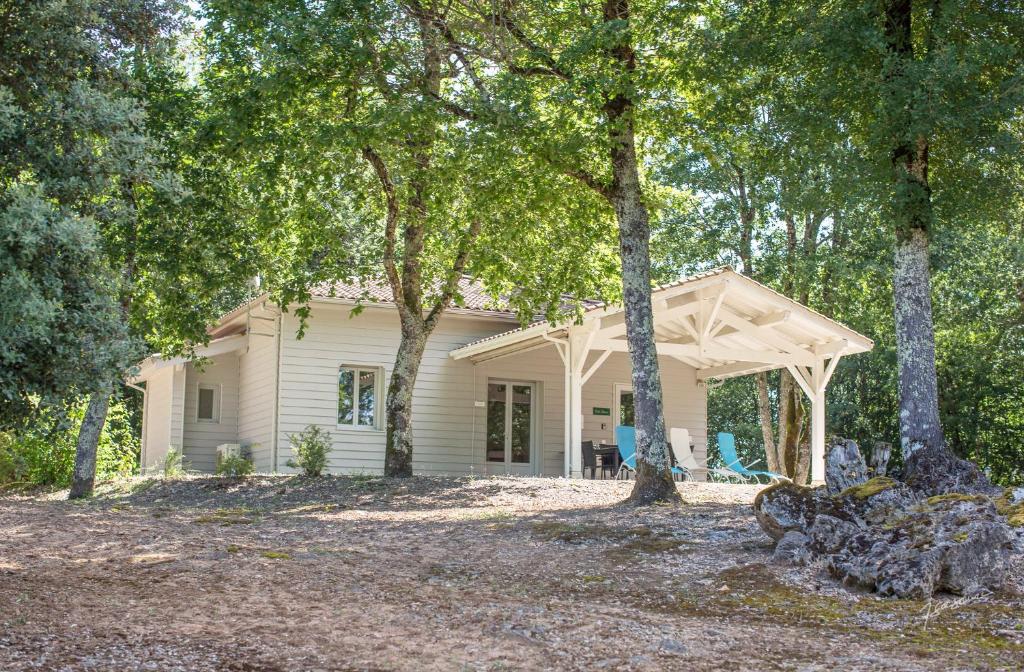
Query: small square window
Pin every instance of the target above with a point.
(358, 390)
(206, 404)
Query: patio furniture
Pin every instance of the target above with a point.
(727, 449)
(590, 457)
(625, 437)
(682, 453)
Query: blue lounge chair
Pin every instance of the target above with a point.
(625, 437)
(727, 449)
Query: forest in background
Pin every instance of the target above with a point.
(159, 165)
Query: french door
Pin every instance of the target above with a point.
(511, 426)
(624, 413)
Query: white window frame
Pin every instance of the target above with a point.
(215, 388)
(617, 403)
(378, 397)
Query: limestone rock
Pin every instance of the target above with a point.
(954, 543)
(828, 534)
(885, 535)
(844, 467)
(873, 501)
(936, 471)
(787, 506)
(793, 549)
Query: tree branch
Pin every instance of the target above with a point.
(458, 268)
(388, 187)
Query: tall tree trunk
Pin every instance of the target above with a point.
(99, 402)
(912, 208)
(793, 421)
(915, 346)
(786, 389)
(748, 214)
(653, 475)
(764, 412)
(88, 441)
(399, 437)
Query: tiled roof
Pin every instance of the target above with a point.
(472, 295)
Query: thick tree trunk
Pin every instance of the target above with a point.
(764, 412)
(398, 410)
(88, 442)
(653, 475)
(912, 210)
(915, 346)
(791, 429)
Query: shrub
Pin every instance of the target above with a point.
(234, 466)
(44, 452)
(173, 464)
(311, 447)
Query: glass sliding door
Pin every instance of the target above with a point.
(510, 425)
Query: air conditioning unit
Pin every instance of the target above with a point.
(226, 450)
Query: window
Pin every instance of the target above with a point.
(208, 404)
(624, 412)
(357, 396)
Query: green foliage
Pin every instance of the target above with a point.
(793, 127)
(306, 133)
(311, 447)
(234, 466)
(173, 464)
(44, 454)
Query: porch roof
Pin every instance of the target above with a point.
(722, 323)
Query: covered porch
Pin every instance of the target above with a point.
(712, 326)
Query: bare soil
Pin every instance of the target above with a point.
(355, 573)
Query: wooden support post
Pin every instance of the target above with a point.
(580, 339)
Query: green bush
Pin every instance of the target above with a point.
(311, 447)
(234, 466)
(44, 454)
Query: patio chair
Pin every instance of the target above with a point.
(727, 449)
(625, 437)
(686, 463)
(590, 461)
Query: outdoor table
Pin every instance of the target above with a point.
(604, 450)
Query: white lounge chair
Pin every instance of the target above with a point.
(680, 440)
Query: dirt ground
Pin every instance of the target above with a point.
(357, 573)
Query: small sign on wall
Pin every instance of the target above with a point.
(602, 411)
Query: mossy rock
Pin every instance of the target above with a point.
(1014, 513)
(869, 488)
(956, 497)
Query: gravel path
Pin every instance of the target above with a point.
(339, 573)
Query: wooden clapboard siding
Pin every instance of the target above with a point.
(443, 399)
(201, 438)
(157, 431)
(257, 378)
(277, 386)
(449, 429)
(178, 408)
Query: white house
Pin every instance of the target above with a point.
(491, 397)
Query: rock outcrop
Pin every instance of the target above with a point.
(900, 538)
